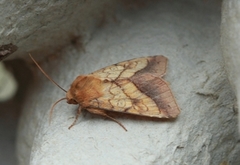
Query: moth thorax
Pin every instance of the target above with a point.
(84, 89)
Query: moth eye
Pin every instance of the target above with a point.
(72, 101)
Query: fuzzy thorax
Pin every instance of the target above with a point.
(84, 89)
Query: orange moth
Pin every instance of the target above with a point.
(134, 87)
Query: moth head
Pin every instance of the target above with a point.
(70, 98)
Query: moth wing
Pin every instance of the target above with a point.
(155, 65)
(136, 87)
(149, 96)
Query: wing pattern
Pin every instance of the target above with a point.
(136, 87)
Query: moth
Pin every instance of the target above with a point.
(134, 87)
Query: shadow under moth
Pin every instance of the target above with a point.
(134, 87)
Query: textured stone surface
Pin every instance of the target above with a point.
(230, 31)
(187, 32)
(43, 27)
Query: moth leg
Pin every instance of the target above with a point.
(76, 117)
(103, 113)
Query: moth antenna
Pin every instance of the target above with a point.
(51, 111)
(46, 74)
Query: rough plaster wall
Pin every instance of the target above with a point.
(230, 30)
(44, 27)
(187, 32)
